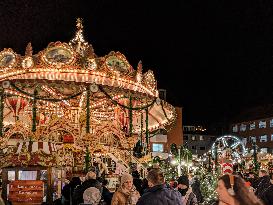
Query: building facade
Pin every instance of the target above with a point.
(197, 140)
(160, 143)
(259, 131)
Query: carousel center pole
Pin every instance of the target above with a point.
(87, 109)
(1, 111)
(34, 109)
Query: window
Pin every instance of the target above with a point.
(193, 147)
(243, 127)
(27, 175)
(271, 137)
(253, 139)
(263, 138)
(262, 124)
(235, 128)
(157, 147)
(264, 150)
(193, 138)
(271, 123)
(185, 137)
(201, 137)
(252, 126)
(202, 148)
(244, 140)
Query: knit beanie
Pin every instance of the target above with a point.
(183, 180)
(126, 177)
(92, 196)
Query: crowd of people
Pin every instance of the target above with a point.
(232, 189)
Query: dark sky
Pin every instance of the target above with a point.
(213, 57)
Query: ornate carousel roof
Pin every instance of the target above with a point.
(62, 76)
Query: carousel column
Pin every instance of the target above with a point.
(34, 110)
(147, 131)
(141, 129)
(130, 117)
(1, 111)
(88, 109)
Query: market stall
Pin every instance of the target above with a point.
(30, 173)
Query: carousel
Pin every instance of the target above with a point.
(65, 110)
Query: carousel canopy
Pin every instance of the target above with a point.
(68, 80)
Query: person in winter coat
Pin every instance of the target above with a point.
(267, 196)
(137, 182)
(195, 185)
(126, 193)
(232, 190)
(68, 190)
(188, 197)
(158, 193)
(106, 194)
(263, 183)
(90, 181)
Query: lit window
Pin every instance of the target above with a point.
(263, 138)
(244, 140)
(243, 127)
(252, 126)
(193, 138)
(157, 147)
(271, 137)
(253, 139)
(264, 150)
(262, 124)
(201, 137)
(271, 123)
(235, 128)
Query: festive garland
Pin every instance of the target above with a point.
(87, 160)
(161, 103)
(124, 106)
(45, 99)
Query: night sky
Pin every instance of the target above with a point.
(213, 57)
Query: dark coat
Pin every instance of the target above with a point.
(160, 195)
(107, 195)
(138, 184)
(196, 190)
(267, 196)
(77, 196)
(264, 183)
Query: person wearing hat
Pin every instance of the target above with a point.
(158, 193)
(126, 193)
(188, 197)
(90, 181)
